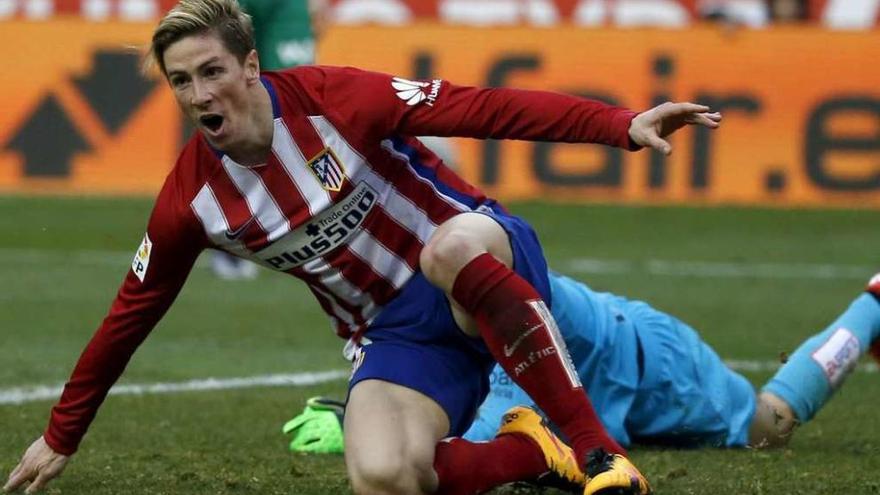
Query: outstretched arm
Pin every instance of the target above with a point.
(38, 465)
(649, 128)
(158, 272)
(385, 106)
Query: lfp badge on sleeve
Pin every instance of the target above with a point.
(142, 258)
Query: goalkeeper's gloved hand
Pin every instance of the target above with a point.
(318, 430)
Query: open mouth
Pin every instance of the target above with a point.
(212, 121)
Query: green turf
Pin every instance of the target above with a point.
(61, 261)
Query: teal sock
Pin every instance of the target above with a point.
(820, 365)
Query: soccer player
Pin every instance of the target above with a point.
(283, 38)
(639, 365)
(312, 172)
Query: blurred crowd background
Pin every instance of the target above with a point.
(835, 14)
(796, 80)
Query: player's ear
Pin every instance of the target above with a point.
(252, 66)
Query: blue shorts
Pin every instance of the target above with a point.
(416, 343)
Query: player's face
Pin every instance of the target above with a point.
(213, 88)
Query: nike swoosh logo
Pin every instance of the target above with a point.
(235, 234)
(508, 351)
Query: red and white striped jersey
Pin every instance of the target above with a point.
(345, 202)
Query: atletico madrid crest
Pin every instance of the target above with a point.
(328, 169)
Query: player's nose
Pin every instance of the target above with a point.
(201, 94)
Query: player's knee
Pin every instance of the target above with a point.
(773, 424)
(458, 241)
(390, 475)
(446, 254)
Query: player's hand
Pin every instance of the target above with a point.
(39, 464)
(650, 127)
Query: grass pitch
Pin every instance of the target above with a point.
(754, 282)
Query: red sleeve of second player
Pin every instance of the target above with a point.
(383, 105)
(162, 264)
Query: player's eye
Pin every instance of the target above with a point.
(213, 71)
(178, 81)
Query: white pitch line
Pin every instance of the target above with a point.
(79, 257)
(21, 395)
(668, 268)
(36, 393)
(82, 257)
(715, 269)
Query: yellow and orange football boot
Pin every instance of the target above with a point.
(563, 471)
(613, 474)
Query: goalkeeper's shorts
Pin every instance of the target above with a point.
(688, 396)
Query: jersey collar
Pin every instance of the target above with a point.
(276, 109)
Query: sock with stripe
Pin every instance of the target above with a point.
(820, 365)
(466, 468)
(519, 330)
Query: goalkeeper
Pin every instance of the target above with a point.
(679, 394)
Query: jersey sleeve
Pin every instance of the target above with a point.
(388, 105)
(161, 265)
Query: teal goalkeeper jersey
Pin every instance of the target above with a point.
(649, 376)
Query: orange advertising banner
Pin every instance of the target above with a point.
(78, 117)
(801, 109)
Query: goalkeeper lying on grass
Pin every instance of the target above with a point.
(652, 380)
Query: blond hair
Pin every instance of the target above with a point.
(192, 17)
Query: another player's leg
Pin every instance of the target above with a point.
(469, 257)
(228, 267)
(503, 396)
(816, 369)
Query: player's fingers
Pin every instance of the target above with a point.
(659, 144)
(32, 488)
(714, 116)
(44, 476)
(670, 109)
(704, 119)
(18, 476)
(39, 483)
(11, 475)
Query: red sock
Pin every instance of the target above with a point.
(875, 351)
(874, 286)
(521, 334)
(466, 468)
(874, 289)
